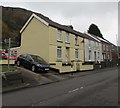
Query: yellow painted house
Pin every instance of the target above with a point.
(60, 45)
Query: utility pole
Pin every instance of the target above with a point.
(9, 41)
(117, 49)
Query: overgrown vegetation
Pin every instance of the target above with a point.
(13, 20)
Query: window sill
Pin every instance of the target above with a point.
(59, 60)
(88, 63)
(78, 60)
(76, 45)
(66, 64)
(60, 41)
(67, 42)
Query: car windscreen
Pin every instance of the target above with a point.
(38, 59)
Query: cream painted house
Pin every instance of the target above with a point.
(60, 45)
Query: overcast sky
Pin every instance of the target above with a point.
(79, 14)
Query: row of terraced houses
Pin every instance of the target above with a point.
(64, 48)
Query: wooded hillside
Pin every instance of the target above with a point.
(13, 20)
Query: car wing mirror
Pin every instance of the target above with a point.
(30, 60)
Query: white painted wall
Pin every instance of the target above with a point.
(94, 46)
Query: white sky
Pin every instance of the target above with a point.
(79, 14)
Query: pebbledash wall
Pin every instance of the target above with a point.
(93, 50)
(62, 49)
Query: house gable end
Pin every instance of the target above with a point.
(32, 16)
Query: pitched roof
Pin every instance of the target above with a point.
(66, 28)
(60, 26)
(90, 37)
(48, 21)
(101, 39)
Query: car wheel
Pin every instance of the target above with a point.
(33, 68)
(18, 63)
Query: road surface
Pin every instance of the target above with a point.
(98, 89)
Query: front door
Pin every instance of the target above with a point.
(95, 56)
(67, 54)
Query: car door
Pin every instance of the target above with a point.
(29, 61)
(23, 60)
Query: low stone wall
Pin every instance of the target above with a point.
(86, 67)
(5, 62)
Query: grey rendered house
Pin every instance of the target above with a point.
(92, 49)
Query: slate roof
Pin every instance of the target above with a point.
(60, 26)
(119, 49)
(90, 37)
(67, 28)
(101, 39)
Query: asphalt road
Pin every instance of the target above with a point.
(98, 89)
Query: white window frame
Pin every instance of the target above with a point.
(107, 48)
(95, 45)
(59, 52)
(98, 44)
(104, 47)
(67, 38)
(89, 43)
(76, 54)
(59, 35)
(76, 40)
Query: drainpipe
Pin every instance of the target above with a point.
(9, 54)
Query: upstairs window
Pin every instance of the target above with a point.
(98, 44)
(67, 38)
(89, 43)
(107, 48)
(95, 44)
(76, 40)
(59, 35)
(104, 47)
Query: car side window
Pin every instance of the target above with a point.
(29, 58)
(24, 56)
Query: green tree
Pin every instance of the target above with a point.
(4, 28)
(93, 29)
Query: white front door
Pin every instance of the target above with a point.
(67, 54)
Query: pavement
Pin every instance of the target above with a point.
(32, 79)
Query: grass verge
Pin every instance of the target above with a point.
(5, 68)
